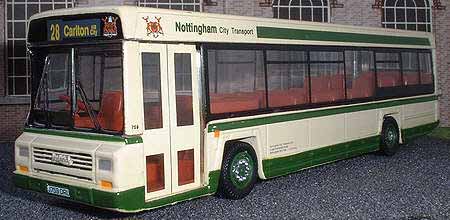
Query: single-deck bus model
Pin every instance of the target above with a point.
(136, 108)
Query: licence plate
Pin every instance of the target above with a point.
(58, 191)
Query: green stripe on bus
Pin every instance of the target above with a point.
(285, 165)
(409, 134)
(87, 136)
(131, 200)
(311, 35)
(313, 114)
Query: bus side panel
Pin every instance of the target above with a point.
(362, 124)
(327, 131)
(419, 119)
(418, 114)
(287, 138)
(329, 140)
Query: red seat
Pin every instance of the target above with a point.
(363, 86)
(426, 78)
(389, 79)
(295, 96)
(327, 88)
(110, 116)
(410, 78)
(236, 102)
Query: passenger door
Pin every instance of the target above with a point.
(171, 118)
(184, 116)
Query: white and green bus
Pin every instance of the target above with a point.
(136, 108)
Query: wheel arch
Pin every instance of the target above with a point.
(250, 138)
(397, 119)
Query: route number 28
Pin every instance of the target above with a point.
(55, 33)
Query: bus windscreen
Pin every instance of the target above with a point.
(88, 96)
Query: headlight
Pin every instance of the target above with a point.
(105, 164)
(24, 152)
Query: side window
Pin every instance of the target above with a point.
(327, 76)
(388, 69)
(410, 67)
(236, 80)
(183, 87)
(360, 75)
(287, 78)
(426, 70)
(151, 78)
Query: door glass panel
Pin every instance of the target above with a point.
(155, 172)
(151, 77)
(185, 167)
(183, 86)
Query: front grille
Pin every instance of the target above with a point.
(80, 166)
(80, 161)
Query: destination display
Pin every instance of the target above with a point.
(59, 30)
(102, 26)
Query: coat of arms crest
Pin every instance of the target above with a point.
(154, 26)
(109, 26)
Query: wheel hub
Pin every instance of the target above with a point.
(241, 171)
(391, 136)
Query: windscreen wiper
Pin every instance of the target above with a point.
(43, 91)
(88, 105)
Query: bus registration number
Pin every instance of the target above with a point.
(58, 191)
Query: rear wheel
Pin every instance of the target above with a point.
(239, 171)
(389, 137)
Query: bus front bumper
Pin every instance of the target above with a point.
(127, 201)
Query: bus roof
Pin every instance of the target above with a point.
(162, 25)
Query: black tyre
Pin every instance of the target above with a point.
(239, 171)
(389, 137)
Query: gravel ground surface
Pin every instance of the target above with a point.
(413, 184)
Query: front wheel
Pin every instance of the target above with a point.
(239, 171)
(389, 137)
